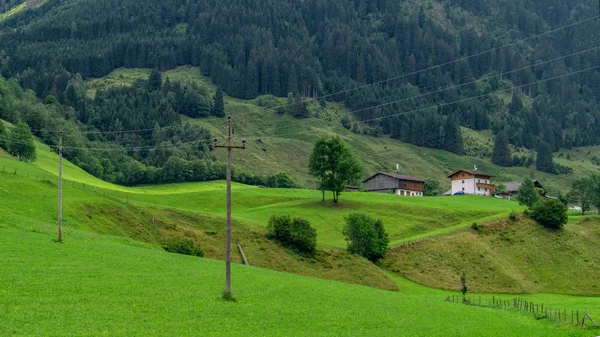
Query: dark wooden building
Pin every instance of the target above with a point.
(400, 184)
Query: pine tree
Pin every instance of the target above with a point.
(219, 103)
(544, 161)
(155, 80)
(293, 80)
(453, 140)
(502, 155)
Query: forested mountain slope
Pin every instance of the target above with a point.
(547, 85)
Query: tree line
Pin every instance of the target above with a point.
(317, 47)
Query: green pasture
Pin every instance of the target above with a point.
(101, 285)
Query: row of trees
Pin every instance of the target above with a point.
(365, 235)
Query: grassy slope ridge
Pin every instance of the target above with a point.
(404, 217)
(29, 203)
(282, 143)
(503, 256)
(98, 285)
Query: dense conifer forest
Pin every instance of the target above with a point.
(314, 48)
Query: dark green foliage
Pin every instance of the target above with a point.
(219, 103)
(314, 47)
(463, 285)
(366, 236)
(453, 140)
(502, 155)
(528, 194)
(155, 80)
(544, 161)
(182, 244)
(298, 107)
(20, 143)
(335, 166)
(583, 193)
(3, 136)
(432, 188)
(296, 234)
(596, 186)
(550, 213)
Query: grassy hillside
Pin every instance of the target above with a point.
(505, 256)
(30, 203)
(99, 285)
(404, 218)
(282, 143)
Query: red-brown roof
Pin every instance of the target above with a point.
(475, 173)
(395, 176)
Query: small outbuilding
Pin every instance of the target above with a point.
(400, 184)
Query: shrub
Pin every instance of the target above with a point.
(181, 244)
(550, 213)
(513, 216)
(296, 234)
(366, 236)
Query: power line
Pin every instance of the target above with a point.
(444, 64)
(461, 85)
(361, 86)
(458, 101)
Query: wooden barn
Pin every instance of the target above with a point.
(400, 184)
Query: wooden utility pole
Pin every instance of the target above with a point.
(229, 147)
(60, 149)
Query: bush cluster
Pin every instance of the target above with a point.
(181, 244)
(366, 236)
(550, 213)
(295, 233)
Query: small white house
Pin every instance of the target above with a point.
(471, 182)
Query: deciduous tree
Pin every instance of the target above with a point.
(21, 144)
(582, 193)
(528, 194)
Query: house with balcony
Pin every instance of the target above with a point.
(471, 182)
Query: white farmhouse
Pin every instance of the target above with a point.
(471, 182)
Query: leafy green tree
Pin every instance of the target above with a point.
(528, 194)
(3, 136)
(366, 236)
(582, 193)
(319, 164)
(21, 144)
(550, 213)
(342, 167)
(500, 188)
(219, 103)
(432, 188)
(502, 155)
(297, 234)
(596, 180)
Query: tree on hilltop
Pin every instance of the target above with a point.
(334, 165)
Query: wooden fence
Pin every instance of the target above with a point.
(573, 317)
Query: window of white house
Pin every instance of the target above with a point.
(479, 189)
(486, 189)
(463, 181)
(463, 189)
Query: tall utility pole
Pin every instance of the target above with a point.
(60, 149)
(229, 147)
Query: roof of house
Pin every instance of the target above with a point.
(395, 176)
(475, 173)
(513, 186)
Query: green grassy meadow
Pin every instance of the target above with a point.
(99, 285)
